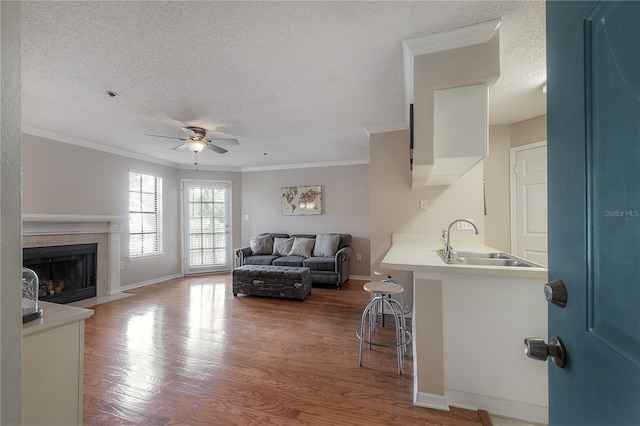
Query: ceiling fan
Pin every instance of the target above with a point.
(197, 140)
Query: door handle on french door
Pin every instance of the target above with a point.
(556, 293)
(536, 348)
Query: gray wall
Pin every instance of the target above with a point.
(60, 178)
(345, 205)
(496, 175)
(371, 202)
(10, 218)
(529, 131)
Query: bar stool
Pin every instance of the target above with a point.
(382, 292)
(389, 273)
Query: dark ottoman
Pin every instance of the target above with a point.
(275, 281)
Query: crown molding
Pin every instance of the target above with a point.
(304, 166)
(203, 168)
(34, 131)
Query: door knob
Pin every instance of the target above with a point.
(556, 293)
(536, 348)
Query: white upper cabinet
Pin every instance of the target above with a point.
(461, 131)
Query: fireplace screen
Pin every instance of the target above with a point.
(66, 273)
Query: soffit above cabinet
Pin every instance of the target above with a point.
(448, 82)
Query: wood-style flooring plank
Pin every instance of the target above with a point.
(187, 352)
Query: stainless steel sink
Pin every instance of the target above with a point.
(480, 255)
(492, 262)
(486, 259)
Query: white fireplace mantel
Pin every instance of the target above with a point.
(55, 224)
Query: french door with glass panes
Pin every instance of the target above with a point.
(206, 224)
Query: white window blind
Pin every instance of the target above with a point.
(145, 220)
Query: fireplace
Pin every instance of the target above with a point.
(44, 230)
(66, 273)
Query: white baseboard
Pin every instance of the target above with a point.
(93, 301)
(149, 282)
(501, 407)
(359, 277)
(429, 400)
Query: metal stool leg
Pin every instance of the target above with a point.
(396, 309)
(365, 323)
(384, 302)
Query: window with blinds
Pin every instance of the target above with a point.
(145, 220)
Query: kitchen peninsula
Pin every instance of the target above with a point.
(53, 366)
(469, 323)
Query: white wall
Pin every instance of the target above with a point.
(497, 173)
(395, 206)
(60, 178)
(10, 218)
(345, 193)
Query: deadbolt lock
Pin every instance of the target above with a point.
(556, 293)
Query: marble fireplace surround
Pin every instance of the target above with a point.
(43, 230)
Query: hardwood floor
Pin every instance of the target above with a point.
(187, 352)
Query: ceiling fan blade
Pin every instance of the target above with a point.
(216, 148)
(166, 137)
(225, 141)
(183, 146)
(189, 132)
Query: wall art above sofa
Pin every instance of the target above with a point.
(301, 200)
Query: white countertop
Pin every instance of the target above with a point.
(423, 257)
(54, 315)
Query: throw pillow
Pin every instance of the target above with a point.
(282, 246)
(302, 247)
(261, 244)
(326, 245)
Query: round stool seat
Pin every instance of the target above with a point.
(383, 287)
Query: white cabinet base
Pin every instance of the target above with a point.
(53, 365)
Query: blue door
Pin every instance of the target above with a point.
(593, 107)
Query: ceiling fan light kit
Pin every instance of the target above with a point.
(197, 141)
(196, 145)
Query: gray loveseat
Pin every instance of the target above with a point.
(326, 255)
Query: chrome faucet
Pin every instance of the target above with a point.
(447, 246)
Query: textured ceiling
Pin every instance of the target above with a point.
(299, 81)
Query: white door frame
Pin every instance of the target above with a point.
(183, 225)
(512, 185)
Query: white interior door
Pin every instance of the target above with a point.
(529, 202)
(206, 224)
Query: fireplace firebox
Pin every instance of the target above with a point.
(66, 273)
